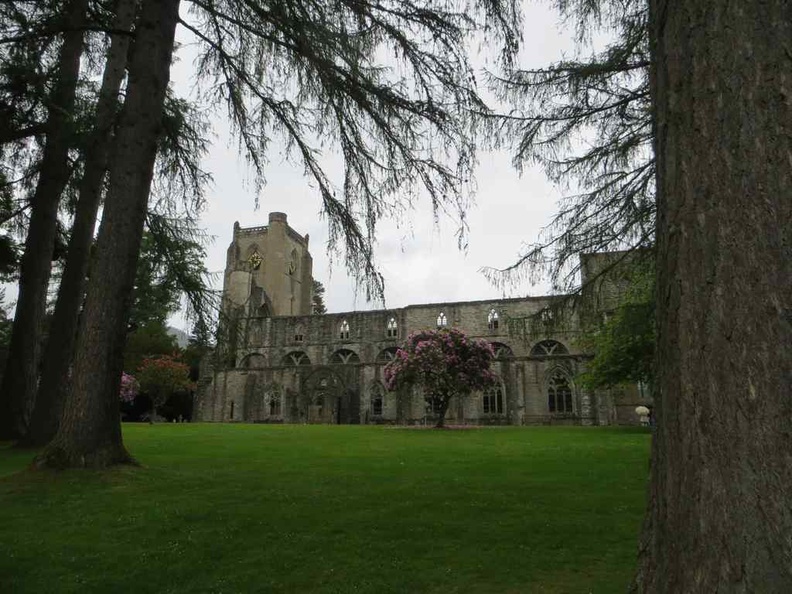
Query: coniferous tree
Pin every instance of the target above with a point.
(718, 518)
(19, 380)
(306, 70)
(59, 350)
(587, 122)
(317, 298)
(89, 432)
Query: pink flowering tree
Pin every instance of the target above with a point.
(161, 377)
(129, 388)
(444, 363)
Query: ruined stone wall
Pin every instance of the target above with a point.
(352, 348)
(284, 368)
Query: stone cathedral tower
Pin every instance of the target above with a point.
(268, 271)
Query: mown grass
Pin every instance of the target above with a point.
(301, 509)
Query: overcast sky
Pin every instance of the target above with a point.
(421, 262)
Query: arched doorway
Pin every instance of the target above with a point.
(322, 397)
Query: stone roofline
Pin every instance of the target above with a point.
(440, 305)
(274, 217)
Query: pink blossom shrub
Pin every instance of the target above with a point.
(444, 362)
(129, 388)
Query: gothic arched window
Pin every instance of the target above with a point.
(296, 358)
(492, 401)
(387, 355)
(393, 328)
(559, 393)
(344, 357)
(253, 361)
(492, 319)
(274, 406)
(377, 400)
(442, 320)
(344, 330)
(548, 348)
(501, 351)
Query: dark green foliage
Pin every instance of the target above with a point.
(624, 343)
(193, 354)
(317, 298)
(170, 267)
(5, 323)
(156, 293)
(146, 341)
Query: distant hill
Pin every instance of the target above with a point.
(182, 338)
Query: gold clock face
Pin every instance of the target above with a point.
(255, 260)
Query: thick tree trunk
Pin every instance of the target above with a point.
(19, 380)
(720, 504)
(59, 351)
(90, 428)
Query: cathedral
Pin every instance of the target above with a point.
(275, 362)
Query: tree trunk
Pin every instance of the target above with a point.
(90, 427)
(444, 402)
(59, 351)
(720, 502)
(21, 372)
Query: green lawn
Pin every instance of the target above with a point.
(300, 509)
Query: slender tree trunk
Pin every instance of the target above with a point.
(444, 402)
(21, 372)
(720, 503)
(90, 429)
(59, 351)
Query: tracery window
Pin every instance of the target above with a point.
(344, 357)
(492, 400)
(501, 351)
(559, 393)
(274, 406)
(442, 320)
(387, 355)
(377, 400)
(548, 348)
(296, 358)
(253, 361)
(492, 319)
(344, 330)
(392, 329)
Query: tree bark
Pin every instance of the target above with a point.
(90, 429)
(444, 402)
(21, 372)
(720, 503)
(59, 351)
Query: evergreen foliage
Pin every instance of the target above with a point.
(587, 122)
(313, 73)
(624, 344)
(148, 340)
(317, 298)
